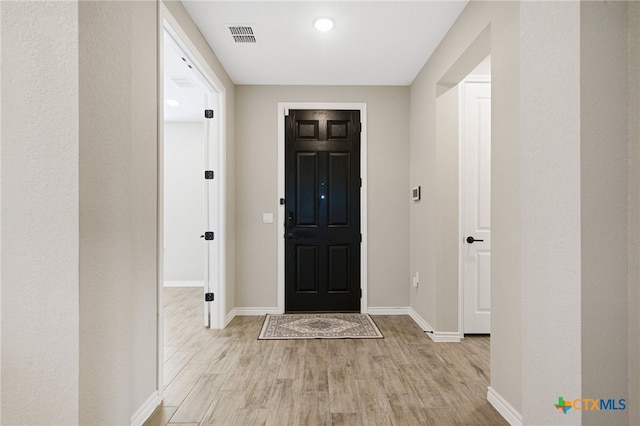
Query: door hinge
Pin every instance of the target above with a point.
(360, 293)
(361, 237)
(360, 182)
(282, 201)
(360, 127)
(208, 113)
(208, 235)
(208, 297)
(208, 174)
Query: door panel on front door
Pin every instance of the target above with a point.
(306, 189)
(322, 193)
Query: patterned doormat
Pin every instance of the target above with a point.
(319, 326)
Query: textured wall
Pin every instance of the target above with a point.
(79, 209)
(634, 213)
(447, 212)
(482, 28)
(118, 208)
(604, 88)
(39, 213)
(388, 231)
(550, 199)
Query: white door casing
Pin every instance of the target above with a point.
(283, 108)
(213, 154)
(212, 247)
(475, 116)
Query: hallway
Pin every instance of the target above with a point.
(227, 377)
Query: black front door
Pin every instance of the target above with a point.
(322, 211)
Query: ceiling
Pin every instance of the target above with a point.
(177, 76)
(373, 42)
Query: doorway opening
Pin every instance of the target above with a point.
(463, 112)
(475, 200)
(191, 190)
(283, 112)
(322, 203)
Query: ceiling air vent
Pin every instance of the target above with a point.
(242, 33)
(183, 82)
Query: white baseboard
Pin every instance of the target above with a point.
(505, 409)
(184, 284)
(424, 325)
(445, 336)
(253, 311)
(230, 316)
(250, 311)
(393, 310)
(143, 413)
(436, 336)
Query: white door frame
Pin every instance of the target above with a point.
(216, 213)
(283, 110)
(461, 204)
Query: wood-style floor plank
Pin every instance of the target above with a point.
(228, 377)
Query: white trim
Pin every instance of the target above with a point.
(184, 283)
(145, 411)
(160, 207)
(254, 311)
(250, 311)
(283, 110)
(397, 310)
(461, 207)
(436, 336)
(506, 410)
(424, 325)
(445, 336)
(229, 317)
(191, 50)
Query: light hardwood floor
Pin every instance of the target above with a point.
(228, 377)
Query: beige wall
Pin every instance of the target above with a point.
(446, 202)
(634, 213)
(465, 46)
(604, 88)
(550, 207)
(180, 14)
(257, 183)
(39, 158)
(559, 173)
(96, 208)
(118, 205)
(83, 202)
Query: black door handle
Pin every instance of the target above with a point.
(291, 235)
(472, 240)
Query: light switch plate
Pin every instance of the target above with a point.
(267, 217)
(415, 193)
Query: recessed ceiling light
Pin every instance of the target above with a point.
(173, 102)
(323, 24)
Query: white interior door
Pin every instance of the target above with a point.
(476, 205)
